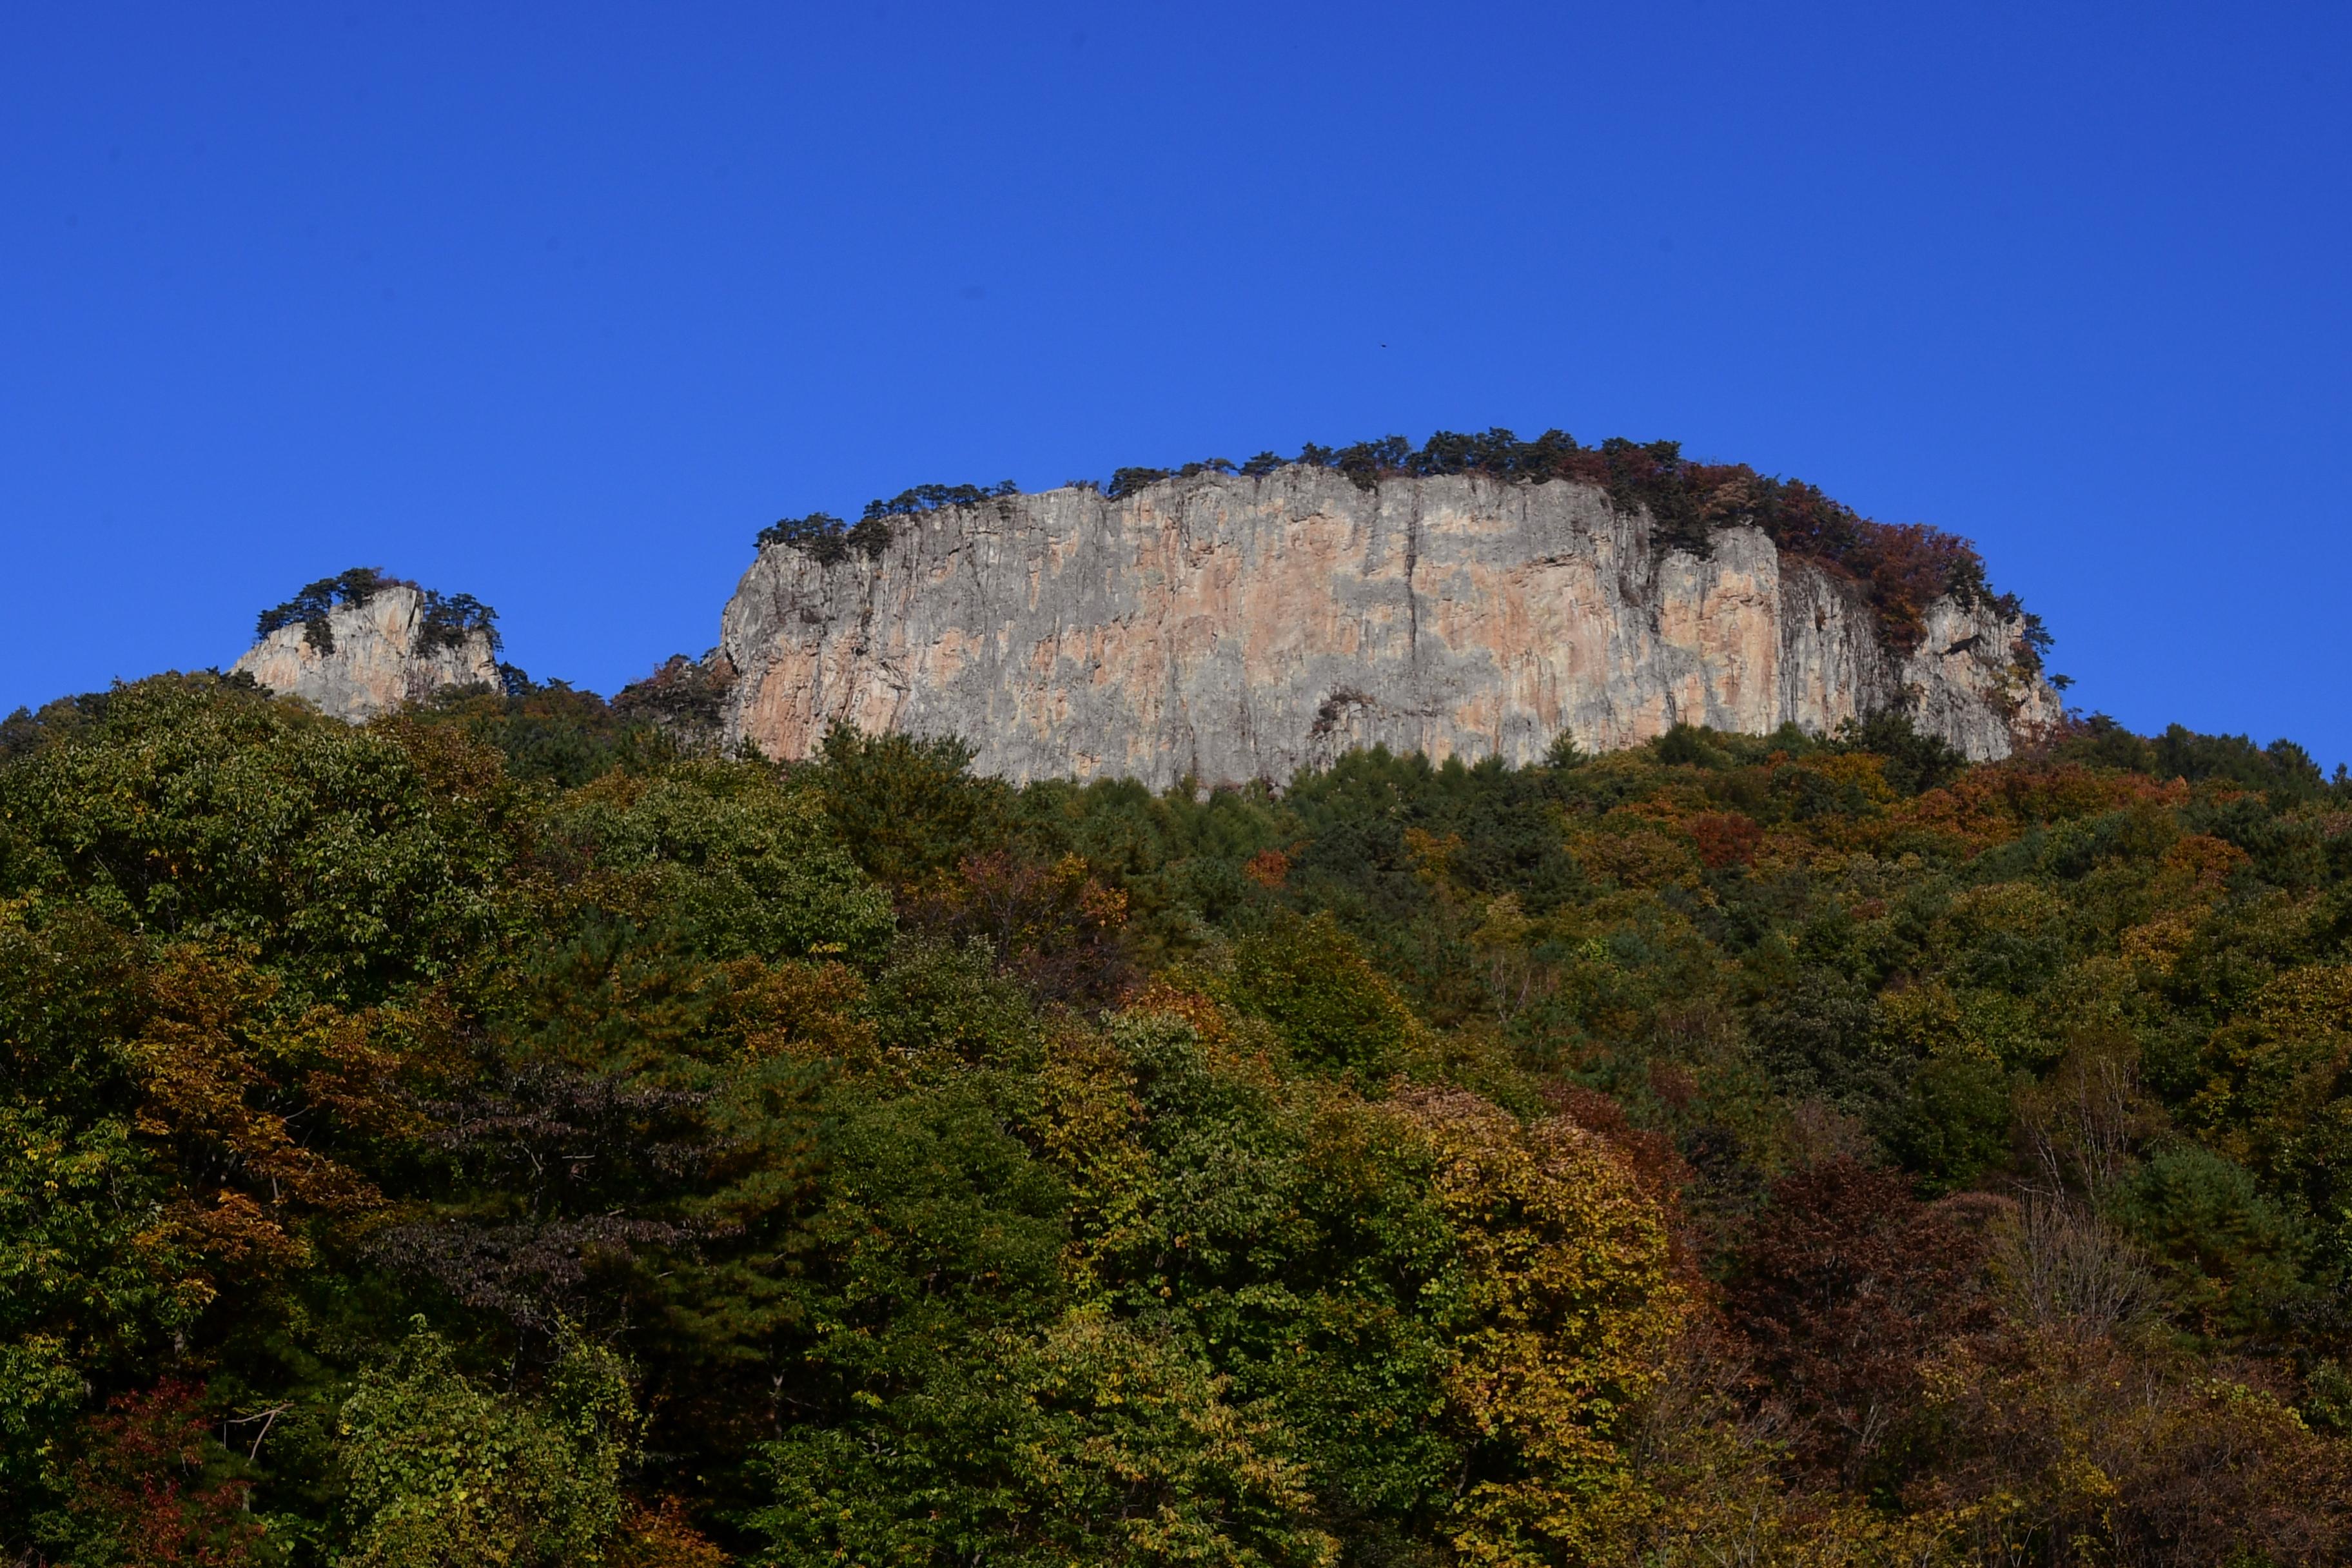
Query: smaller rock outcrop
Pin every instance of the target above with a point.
(365, 645)
(685, 699)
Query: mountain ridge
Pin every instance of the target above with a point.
(1477, 596)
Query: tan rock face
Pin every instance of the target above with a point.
(378, 661)
(1226, 628)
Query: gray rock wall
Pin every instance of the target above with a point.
(1228, 628)
(377, 662)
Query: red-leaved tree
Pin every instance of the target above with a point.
(1848, 1288)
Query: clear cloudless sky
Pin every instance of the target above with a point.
(559, 304)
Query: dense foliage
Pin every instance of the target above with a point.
(1902, 568)
(497, 1135)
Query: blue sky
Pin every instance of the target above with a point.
(560, 305)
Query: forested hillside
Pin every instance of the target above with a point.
(489, 1136)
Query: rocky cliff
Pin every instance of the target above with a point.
(374, 654)
(1228, 627)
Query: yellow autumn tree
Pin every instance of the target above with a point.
(1571, 1306)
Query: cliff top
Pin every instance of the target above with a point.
(443, 621)
(1902, 568)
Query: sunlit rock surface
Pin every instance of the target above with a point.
(379, 658)
(1224, 629)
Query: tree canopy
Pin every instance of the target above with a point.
(503, 1133)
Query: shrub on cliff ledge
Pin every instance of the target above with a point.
(449, 620)
(828, 539)
(311, 604)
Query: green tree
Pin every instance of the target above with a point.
(1090, 1442)
(441, 1471)
(353, 860)
(1311, 982)
(730, 859)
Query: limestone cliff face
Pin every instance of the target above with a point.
(379, 659)
(1228, 628)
